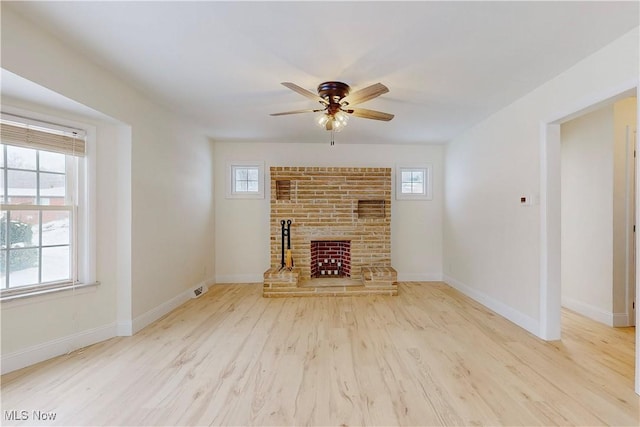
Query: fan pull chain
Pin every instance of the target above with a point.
(332, 141)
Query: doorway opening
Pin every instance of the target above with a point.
(598, 213)
(551, 219)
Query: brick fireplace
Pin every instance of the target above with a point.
(345, 212)
(330, 258)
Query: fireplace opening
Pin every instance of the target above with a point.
(330, 258)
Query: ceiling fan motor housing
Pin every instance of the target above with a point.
(333, 92)
(336, 98)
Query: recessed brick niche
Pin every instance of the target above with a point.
(327, 204)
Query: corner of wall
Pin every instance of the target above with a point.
(509, 313)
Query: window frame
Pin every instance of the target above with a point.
(231, 192)
(82, 211)
(426, 169)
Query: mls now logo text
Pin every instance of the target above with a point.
(16, 415)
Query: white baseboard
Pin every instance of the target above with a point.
(57, 347)
(509, 313)
(40, 352)
(239, 278)
(124, 329)
(621, 320)
(596, 313)
(154, 314)
(429, 277)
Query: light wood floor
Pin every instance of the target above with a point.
(429, 356)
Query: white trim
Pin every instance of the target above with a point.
(629, 222)
(43, 289)
(620, 320)
(528, 323)
(86, 222)
(124, 329)
(123, 234)
(550, 244)
(594, 102)
(637, 252)
(48, 296)
(41, 352)
(156, 313)
(428, 181)
(595, 313)
(239, 278)
(230, 180)
(550, 213)
(426, 277)
(127, 328)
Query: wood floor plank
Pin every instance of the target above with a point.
(429, 356)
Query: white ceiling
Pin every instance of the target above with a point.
(448, 65)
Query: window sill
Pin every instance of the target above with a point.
(244, 196)
(402, 197)
(30, 293)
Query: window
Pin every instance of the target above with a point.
(39, 171)
(413, 182)
(245, 180)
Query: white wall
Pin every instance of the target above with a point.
(242, 226)
(65, 321)
(168, 211)
(587, 166)
(492, 245)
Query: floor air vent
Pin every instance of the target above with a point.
(197, 291)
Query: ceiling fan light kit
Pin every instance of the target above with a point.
(336, 101)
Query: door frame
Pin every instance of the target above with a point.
(550, 217)
(630, 213)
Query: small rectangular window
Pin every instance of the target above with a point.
(245, 180)
(413, 182)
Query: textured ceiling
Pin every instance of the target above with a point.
(448, 65)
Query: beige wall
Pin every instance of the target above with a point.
(492, 244)
(242, 226)
(587, 214)
(162, 222)
(33, 321)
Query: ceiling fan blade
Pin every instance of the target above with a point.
(370, 114)
(302, 91)
(365, 94)
(295, 112)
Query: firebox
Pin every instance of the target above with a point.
(330, 258)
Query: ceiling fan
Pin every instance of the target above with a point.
(337, 101)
